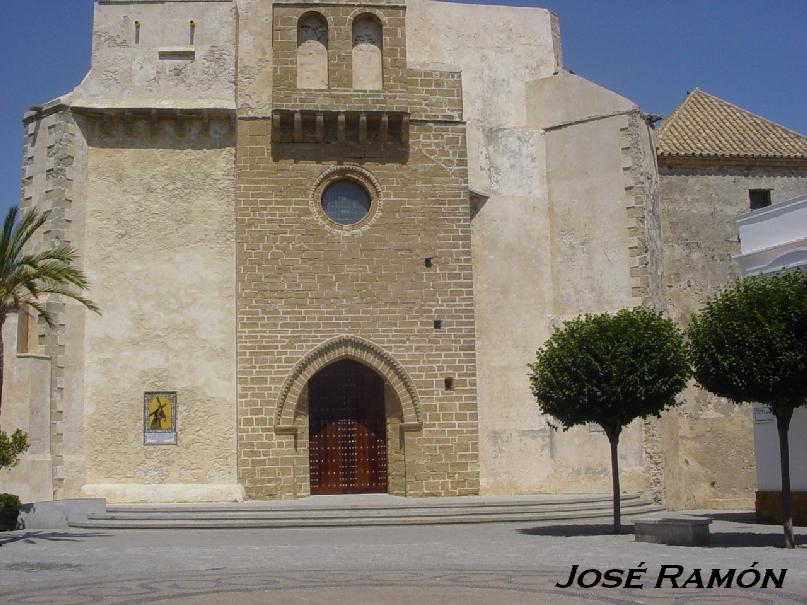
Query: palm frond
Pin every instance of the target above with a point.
(43, 312)
(26, 278)
(55, 271)
(67, 293)
(17, 282)
(8, 227)
(28, 224)
(64, 254)
(18, 230)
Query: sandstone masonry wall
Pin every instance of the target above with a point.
(300, 283)
(53, 361)
(160, 253)
(708, 442)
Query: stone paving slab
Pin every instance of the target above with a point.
(501, 563)
(462, 587)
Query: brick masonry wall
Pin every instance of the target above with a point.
(309, 293)
(340, 45)
(301, 283)
(426, 94)
(433, 95)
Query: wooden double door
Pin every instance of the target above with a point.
(347, 430)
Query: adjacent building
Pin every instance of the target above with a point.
(772, 239)
(716, 162)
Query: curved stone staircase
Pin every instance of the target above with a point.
(364, 510)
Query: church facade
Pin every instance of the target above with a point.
(327, 238)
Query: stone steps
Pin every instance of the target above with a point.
(320, 512)
(369, 502)
(354, 512)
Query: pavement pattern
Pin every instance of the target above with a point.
(463, 565)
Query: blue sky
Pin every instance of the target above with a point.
(750, 52)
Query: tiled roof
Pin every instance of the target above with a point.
(706, 126)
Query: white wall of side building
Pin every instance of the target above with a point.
(775, 239)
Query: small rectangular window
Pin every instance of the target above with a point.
(759, 198)
(438, 324)
(137, 32)
(449, 384)
(193, 33)
(23, 331)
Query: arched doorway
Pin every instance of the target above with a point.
(347, 430)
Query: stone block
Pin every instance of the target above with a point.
(57, 514)
(673, 530)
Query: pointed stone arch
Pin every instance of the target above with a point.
(357, 349)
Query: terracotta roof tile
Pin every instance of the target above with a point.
(706, 126)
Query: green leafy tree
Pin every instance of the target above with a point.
(749, 344)
(12, 447)
(610, 369)
(25, 279)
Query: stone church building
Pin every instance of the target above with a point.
(327, 239)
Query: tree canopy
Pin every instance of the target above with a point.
(27, 279)
(610, 368)
(12, 447)
(750, 342)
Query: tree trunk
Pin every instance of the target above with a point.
(783, 427)
(613, 439)
(2, 359)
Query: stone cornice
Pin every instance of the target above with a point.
(731, 162)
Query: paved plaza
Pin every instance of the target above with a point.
(468, 565)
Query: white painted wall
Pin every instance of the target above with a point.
(772, 239)
(766, 449)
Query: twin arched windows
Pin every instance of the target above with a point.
(312, 52)
(367, 42)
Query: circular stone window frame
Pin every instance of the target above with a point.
(359, 176)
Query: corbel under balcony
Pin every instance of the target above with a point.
(329, 127)
(109, 119)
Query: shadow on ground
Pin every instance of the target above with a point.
(719, 539)
(733, 516)
(34, 537)
(750, 540)
(574, 531)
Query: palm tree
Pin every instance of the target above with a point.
(26, 278)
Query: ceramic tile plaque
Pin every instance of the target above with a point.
(160, 417)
